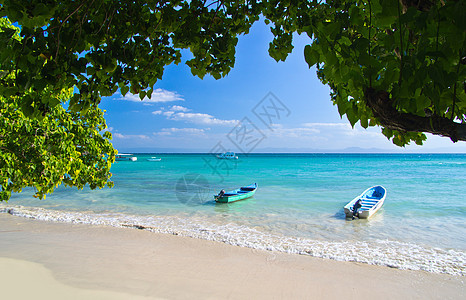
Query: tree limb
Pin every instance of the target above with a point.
(382, 108)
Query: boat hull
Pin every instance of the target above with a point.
(227, 155)
(371, 202)
(227, 158)
(236, 195)
(125, 157)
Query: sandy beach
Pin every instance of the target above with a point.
(58, 260)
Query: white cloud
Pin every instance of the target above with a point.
(130, 136)
(179, 108)
(158, 96)
(328, 125)
(108, 129)
(325, 136)
(180, 113)
(168, 113)
(341, 128)
(202, 119)
(300, 132)
(186, 131)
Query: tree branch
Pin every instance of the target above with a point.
(61, 26)
(382, 108)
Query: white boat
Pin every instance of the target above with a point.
(227, 155)
(125, 157)
(153, 158)
(368, 203)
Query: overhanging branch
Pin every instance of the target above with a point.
(381, 105)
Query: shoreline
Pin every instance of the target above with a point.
(122, 261)
(388, 253)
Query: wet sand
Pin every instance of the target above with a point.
(45, 260)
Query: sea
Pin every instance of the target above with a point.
(298, 206)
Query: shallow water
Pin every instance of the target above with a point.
(297, 208)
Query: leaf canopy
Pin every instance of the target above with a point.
(399, 65)
(61, 147)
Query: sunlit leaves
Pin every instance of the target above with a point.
(42, 145)
(59, 148)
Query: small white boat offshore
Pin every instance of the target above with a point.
(125, 157)
(227, 155)
(366, 204)
(153, 158)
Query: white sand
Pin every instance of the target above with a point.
(26, 280)
(51, 260)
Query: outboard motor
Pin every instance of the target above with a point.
(356, 207)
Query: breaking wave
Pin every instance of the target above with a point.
(406, 256)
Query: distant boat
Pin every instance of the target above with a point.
(371, 200)
(227, 155)
(153, 158)
(125, 157)
(239, 194)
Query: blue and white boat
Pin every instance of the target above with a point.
(367, 204)
(153, 158)
(227, 155)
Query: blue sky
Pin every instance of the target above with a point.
(279, 107)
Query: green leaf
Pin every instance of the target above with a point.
(352, 115)
(364, 122)
(26, 106)
(124, 90)
(311, 56)
(41, 9)
(142, 94)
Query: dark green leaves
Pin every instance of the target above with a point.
(311, 55)
(413, 54)
(124, 89)
(100, 46)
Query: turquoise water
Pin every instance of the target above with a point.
(298, 207)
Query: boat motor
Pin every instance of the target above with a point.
(356, 207)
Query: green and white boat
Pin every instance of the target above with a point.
(235, 195)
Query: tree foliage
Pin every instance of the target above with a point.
(51, 146)
(396, 64)
(99, 46)
(62, 147)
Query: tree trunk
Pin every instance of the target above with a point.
(382, 108)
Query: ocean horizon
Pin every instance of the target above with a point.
(270, 150)
(298, 207)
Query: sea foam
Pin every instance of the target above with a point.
(406, 256)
